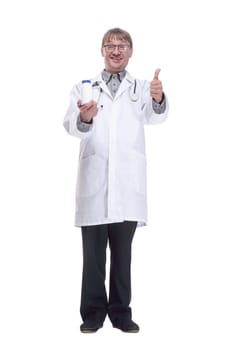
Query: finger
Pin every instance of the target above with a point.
(156, 83)
(155, 89)
(91, 104)
(156, 76)
(79, 103)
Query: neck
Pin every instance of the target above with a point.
(112, 72)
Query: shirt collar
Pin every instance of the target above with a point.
(106, 76)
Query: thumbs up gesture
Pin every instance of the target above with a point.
(156, 88)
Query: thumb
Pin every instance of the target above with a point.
(156, 76)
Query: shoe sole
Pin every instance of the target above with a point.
(128, 331)
(89, 330)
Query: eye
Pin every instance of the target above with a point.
(111, 47)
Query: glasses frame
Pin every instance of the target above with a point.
(120, 47)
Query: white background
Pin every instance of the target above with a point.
(182, 262)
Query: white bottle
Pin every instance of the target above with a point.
(86, 91)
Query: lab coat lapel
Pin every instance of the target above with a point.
(103, 85)
(126, 83)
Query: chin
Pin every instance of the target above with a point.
(117, 67)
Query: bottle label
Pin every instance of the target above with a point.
(86, 91)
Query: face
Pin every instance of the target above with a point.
(116, 59)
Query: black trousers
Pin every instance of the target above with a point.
(95, 304)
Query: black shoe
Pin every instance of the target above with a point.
(90, 326)
(127, 326)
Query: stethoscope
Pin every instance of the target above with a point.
(133, 94)
(96, 84)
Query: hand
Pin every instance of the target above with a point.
(87, 111)
(156, 88)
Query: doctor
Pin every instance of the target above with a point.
(111, 186)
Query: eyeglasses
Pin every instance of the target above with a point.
(121, 48)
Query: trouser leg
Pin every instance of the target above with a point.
(120, 241)
(93, 295)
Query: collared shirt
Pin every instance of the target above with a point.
(113, 80)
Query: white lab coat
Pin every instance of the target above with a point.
(111, 183)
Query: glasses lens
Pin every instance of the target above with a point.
(120, 48)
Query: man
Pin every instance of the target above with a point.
(111, 188)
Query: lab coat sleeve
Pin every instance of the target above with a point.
(153, 114)
(72, 123)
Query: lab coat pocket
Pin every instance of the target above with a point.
(91, 175)
(138, 172)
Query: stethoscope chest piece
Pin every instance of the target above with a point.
(134, 97)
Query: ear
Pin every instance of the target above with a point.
(131, 52)
(102, 52)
